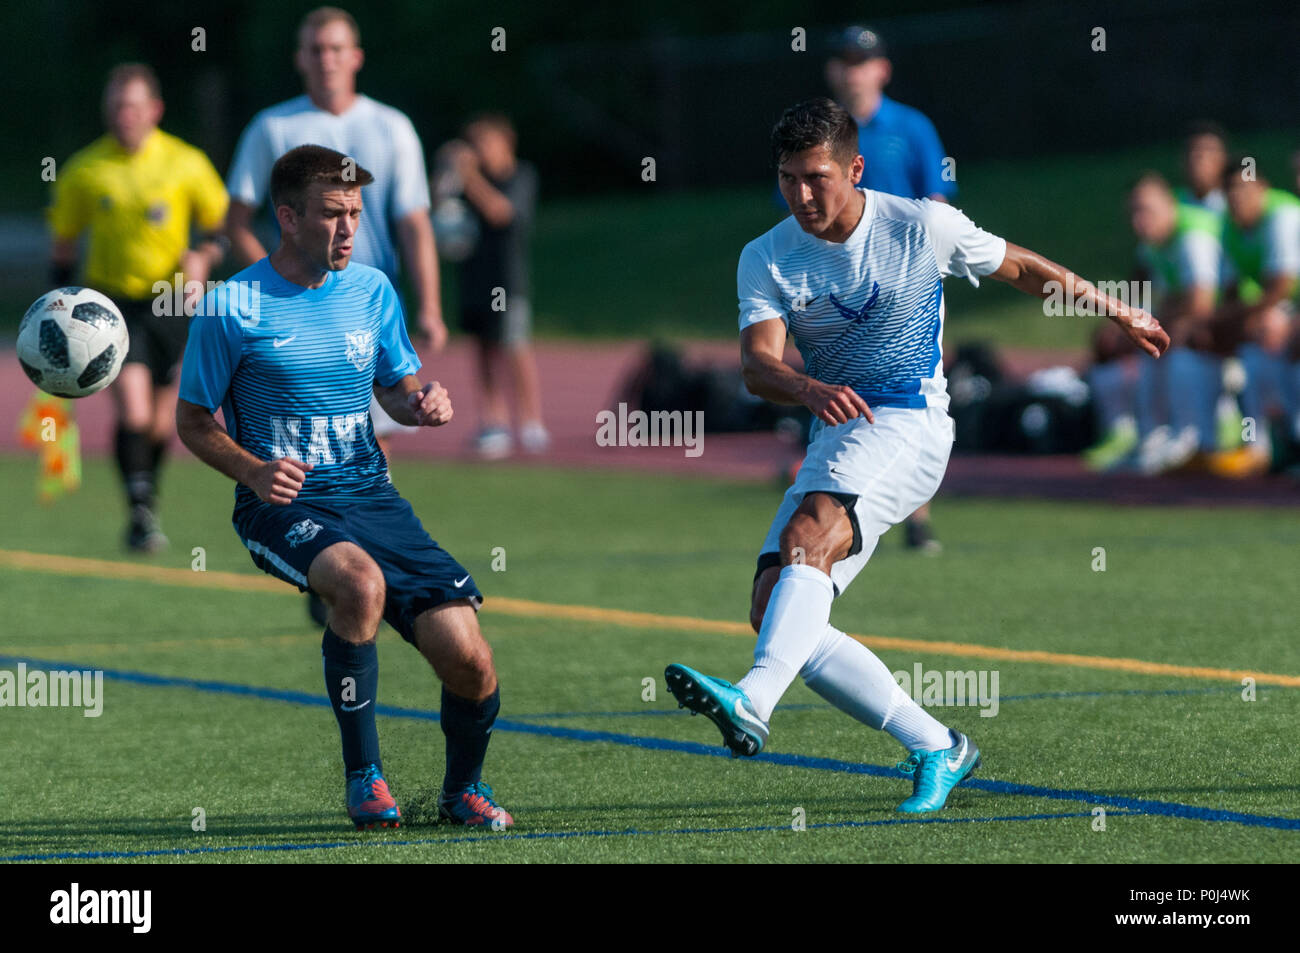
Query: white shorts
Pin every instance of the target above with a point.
(892, 466)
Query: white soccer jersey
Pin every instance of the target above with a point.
(382, 141)
(868, 311)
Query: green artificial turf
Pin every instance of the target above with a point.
(1188, 587)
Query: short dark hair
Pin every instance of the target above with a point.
(323, 16)
(1205, 127)
(125, 73)
(493, 120)
(813, 123)
(298, 168)
(1152, 178)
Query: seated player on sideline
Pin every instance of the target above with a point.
(857, 277)
(291, 349)
(1178, 397)
(1261, 279)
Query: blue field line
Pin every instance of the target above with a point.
(1137, 805)
(1100, 693)
(486, 837)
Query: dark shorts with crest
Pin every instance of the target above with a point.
(419, 574)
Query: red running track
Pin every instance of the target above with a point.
(580, 379)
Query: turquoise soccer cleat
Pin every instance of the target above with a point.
(936, 773)
(724, 704)
(370, 804)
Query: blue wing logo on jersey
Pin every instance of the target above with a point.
(857, 317)
(360, 349)
(302, 532)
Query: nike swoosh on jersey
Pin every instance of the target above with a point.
(281, 342)
(461, 582)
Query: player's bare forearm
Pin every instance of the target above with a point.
(1277, 288)
(274, 481)
(420, 254)
(199, 431)
(496, 209)
(773, 379)
(1040, 277)
(239, 228)
(766, 375)
(415, 405)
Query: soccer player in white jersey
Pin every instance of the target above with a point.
(856, 276)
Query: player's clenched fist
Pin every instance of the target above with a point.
(431, 405)
(836, 403)
(278, 481)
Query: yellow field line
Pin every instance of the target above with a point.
(221, 642)
(246, 582)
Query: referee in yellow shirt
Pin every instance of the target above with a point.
(135, 192)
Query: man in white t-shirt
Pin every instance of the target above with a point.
(380, 138)
(856, 276)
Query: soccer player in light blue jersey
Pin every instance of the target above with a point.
(291, 350)
(333, 113)
(856, 276)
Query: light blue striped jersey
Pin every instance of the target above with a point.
(868, 311)
(293, 368)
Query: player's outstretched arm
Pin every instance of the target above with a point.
(767, 375)
(1035, 275)
(274, 481)
(414, 405)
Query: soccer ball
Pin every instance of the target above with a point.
(72, 342)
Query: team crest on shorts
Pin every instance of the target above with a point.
(361, 348)
(303, 531)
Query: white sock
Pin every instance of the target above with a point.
(849, 675)
(797, 613)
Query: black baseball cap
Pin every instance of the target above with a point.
(855, 44)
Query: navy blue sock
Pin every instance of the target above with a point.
(352, 680)
(467, 726)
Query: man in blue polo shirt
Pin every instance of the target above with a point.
(903, 156)
(899, 144)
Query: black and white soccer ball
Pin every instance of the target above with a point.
(72, 342)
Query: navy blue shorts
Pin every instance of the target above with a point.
(419, 574)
